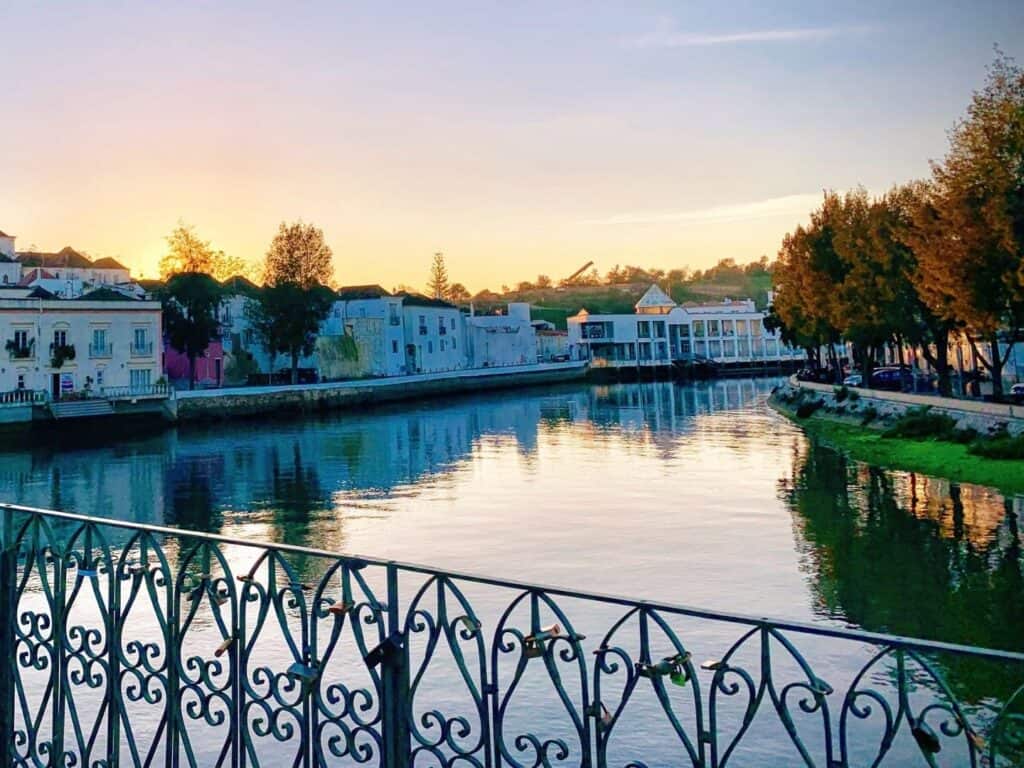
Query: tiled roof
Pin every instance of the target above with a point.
(37, 274)
(66, 257)
(108, 263)
(240, 285)
(352, 292)
(105, 294)
(419, 300)
(654, 297)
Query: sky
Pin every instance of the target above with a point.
(519, 138)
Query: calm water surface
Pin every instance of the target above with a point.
(694, 494)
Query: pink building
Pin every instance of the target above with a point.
(209, 366)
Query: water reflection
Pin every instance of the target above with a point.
(643, 488)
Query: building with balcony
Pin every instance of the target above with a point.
(434, 335)
(72, 348)
(661, 332)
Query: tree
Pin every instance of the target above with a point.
(298, 254)
(187, 252)
(438, 286)
(458, 293)
(190, 303)
(979, 203)
(543, 281)
(287, 318)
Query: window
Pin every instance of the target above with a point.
(659, 330)
(454, 345)
(684, 331)
(423, 325)
(442, 329)
(393, 316)
(755, 327)
(698, 329)
(394, 347)
(99, 377)
(21, 339)
(645, 350)
(247, 337)
(430, 347)
(139, 378)
(99, 337)
(453, 323)
(713, 329)
(60, 338)
(727, 328)
(442, 345)
(741, 327)
(21, 380)
(643, 329)
(139, 339)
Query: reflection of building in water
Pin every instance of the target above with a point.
(193, 478)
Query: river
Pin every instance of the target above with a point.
(696, 494)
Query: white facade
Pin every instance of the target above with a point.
(661, 331)
(434, 335)
(497, 340)
(114, 344)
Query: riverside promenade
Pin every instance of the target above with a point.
(237, 402)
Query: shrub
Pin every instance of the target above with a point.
(1002, 447)
(854, 396)
(807, 409)
(870, 414)
(841, 393)
(922, 424)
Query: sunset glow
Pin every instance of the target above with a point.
(517, 138)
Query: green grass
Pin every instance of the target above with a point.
(930, 457)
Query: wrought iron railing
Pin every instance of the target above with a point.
(142, 350)
(131, 645)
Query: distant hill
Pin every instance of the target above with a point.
(725, 280)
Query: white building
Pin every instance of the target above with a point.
(434, 335)
(661, 331)
(497, 340)
(69, 347)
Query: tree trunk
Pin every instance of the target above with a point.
(295, 367)
(996, 367)
(940, 360)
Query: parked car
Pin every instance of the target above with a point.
(855, 379)
(893, 379)
(1017, 393)
(819, 375)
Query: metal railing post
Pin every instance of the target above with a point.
(395, 683)
(8, 611)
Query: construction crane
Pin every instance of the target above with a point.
(569, 280)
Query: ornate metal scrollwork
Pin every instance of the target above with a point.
(140, 646)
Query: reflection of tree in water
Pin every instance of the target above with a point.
(193, 505)
(903, 570)
(297, 497)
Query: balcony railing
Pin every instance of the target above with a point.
(17, 397)
(16, 351)
(140, 646)
(142, 350)
(136, 391)
(101, 350)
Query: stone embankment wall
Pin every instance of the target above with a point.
(984, 418)
(255, 401)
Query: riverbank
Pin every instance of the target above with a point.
(848, 432)
(244, 402)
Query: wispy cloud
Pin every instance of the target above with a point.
(789, 205)
(666, 35)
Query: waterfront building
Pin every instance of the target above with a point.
(364, 335)
(496, 340)
(660, 332)
(75, 347)
(433, 333)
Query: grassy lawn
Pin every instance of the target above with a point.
(929, 457)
